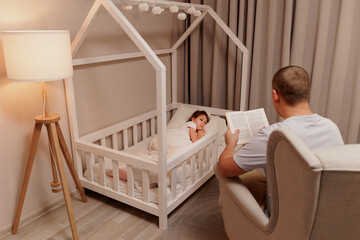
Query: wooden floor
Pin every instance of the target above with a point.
(199, 217)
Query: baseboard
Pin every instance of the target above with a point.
(33, 216)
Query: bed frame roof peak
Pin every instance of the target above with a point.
(151, 56)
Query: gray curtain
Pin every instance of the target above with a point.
(323, 36)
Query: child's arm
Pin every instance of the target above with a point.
(195, 136)
(200, 133)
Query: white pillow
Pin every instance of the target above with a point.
(180, 117)
(216, 123)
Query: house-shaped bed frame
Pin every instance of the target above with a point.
(161, 107)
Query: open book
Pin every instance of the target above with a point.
(249, 122)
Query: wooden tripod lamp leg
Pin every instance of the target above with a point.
(60, 167)
(29, 164)
(55, 184)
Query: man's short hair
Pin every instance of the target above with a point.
(292, 84)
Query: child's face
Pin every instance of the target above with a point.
(200, 122)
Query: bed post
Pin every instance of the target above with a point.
(161, 114)
(174, 77)
(73, 124)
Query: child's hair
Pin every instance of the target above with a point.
(198, 113)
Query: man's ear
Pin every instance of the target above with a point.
(275, 96)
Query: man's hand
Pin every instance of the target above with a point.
(231, 138)
(226, 165)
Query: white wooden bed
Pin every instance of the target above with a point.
(177, 176)
(186, 170)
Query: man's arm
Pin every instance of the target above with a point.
(226, 165)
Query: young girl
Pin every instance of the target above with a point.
(189, 132)
(196, 125)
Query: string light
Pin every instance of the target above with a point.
(197, 13)
(181, 16)
(126, 7)
(157, 10)
(174, 9)
(190, 10)
(143, 7)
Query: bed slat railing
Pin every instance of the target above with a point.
(152, 126)
(114, 141)
(120, 156)
(125, 138)
(102, 171)
(147, 129)
(173, 183)
(135, 134)
(139, 131)
(143, 130)
(183, 176)
(94, 136)
(101, 176)
(130, 180)
(115, 171)
(192, 169)
(102, 164)
(102, 154)
(207, 158)
(179, 158)
(89, 165)
(199, 164)
(146, 186)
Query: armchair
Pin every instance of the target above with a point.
(314, 195)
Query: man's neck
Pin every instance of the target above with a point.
(299, 109)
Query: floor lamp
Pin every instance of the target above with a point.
(43, 56)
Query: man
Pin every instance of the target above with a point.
(290, 95)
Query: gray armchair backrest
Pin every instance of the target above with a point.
(314, 195)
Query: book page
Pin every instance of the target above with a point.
(237, 120)
(257, 120)
(249, 123)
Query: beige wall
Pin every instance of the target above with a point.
(105, 93)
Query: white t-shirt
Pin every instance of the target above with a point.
(315, 131)
(191, 124)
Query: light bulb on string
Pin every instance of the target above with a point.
(157, 10)
(174, 9)
(181, 16)
(143, 7)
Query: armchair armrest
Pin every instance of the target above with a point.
(243, 198)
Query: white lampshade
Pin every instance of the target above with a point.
(37, 55)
